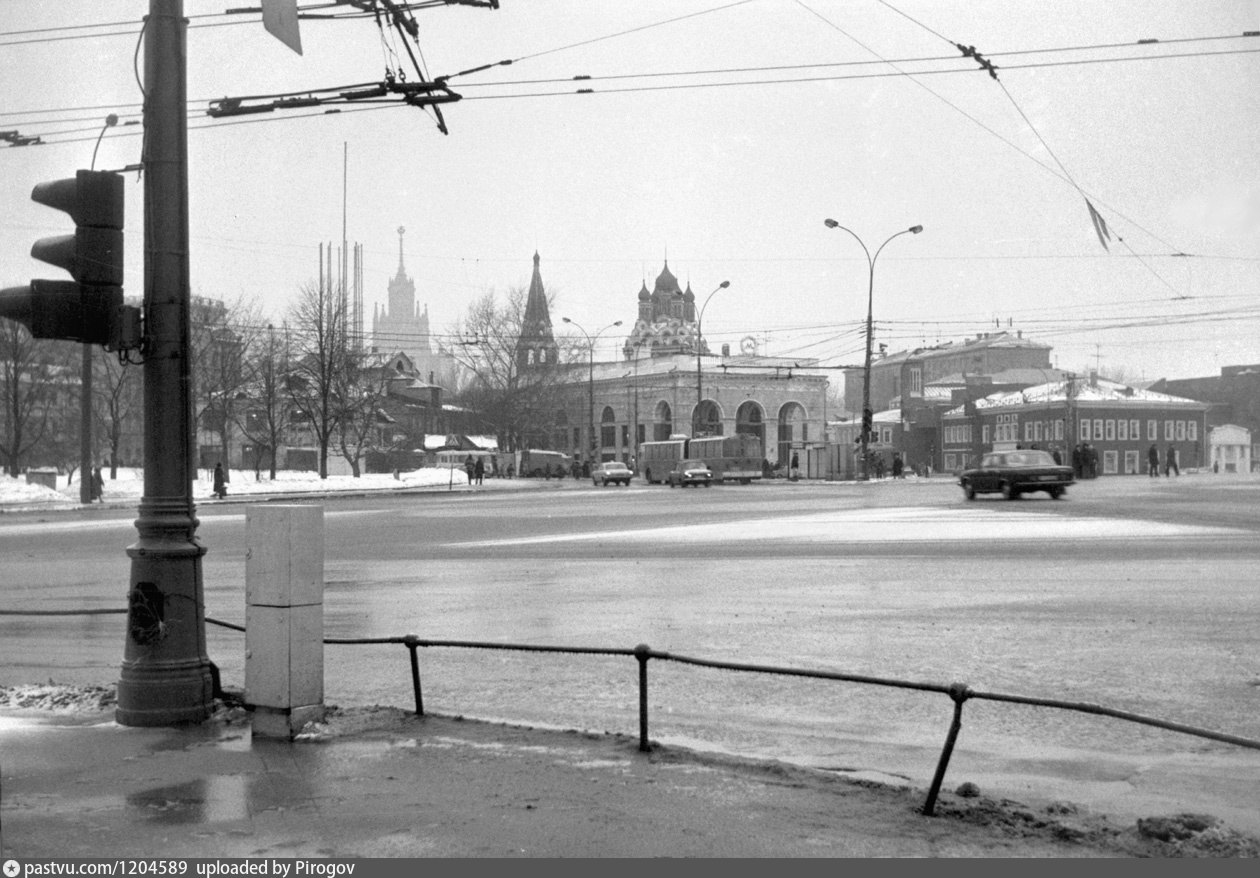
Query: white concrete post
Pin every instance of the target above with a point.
(284, 617)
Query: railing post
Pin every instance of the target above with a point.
(412, 642)
(960, 693)
(642, 653)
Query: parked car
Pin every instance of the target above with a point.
(1016, 472)
(690, 472)
(611, 471)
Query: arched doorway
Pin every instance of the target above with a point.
(708, 419)
(662, 421)
(750, 420)
(793, 430)
(607, 434)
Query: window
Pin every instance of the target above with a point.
(1122, 430)
(1135, 429)
(1111, 461)
(951, 462)
(1111, 430)
(1084, 437)
(1152, 429)
(1168, 430)
(1037, 428)
(1181, 430)
(1098, 429)
(1058, 430)
(1028, 431)
(916, 381)
(984, 434)
(1192, 430)
(1130, 463)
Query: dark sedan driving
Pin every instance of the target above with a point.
(1012, 473)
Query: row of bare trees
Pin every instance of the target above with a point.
(41, 389)
(260, 384)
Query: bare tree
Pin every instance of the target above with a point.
(117, 402)
(264, 419)
(517, 405)
(320, 355)
(37, 408)
(363, 389)
(222, 336)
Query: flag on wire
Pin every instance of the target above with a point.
(1100, 226)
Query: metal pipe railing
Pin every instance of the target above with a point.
(958, 692)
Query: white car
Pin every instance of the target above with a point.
(611, 471)
(690, 472)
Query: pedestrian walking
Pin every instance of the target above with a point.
(1170, 462)
(479, 470)
(794, 472)
(898, 467)
(220, 482)
(98, 485)
(469, 466)
(1152, 461)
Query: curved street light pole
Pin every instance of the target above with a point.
(590, 380)
(695, 422)
(868, 417)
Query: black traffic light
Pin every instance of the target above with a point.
(90, 308)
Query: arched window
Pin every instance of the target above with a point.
(708, 419)
(662, 421)
(607, 428)
(750, 421)
(793, 429)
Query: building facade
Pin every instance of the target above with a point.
(402, 325)
(667, 383)
(1120, 423)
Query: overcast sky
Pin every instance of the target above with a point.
(720, 135)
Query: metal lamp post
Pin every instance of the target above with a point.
(868, 416)
(695, 429)
(590, 378)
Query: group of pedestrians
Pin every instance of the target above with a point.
(476, 469)
(1170, 461)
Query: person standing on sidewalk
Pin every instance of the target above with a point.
(1170, 462)
(220, 482)
(1152, 460)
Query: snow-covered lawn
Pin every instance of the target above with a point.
(128, 487)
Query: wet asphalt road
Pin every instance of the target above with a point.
(1135, 593)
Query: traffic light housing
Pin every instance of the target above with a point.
(88, 309)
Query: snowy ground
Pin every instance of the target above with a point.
(17, 494)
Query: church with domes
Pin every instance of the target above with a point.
(666, 381)
(666, 322)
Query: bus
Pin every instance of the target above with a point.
(656, 459)
(535, 463)
(731, 458)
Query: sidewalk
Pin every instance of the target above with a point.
(380, 782)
